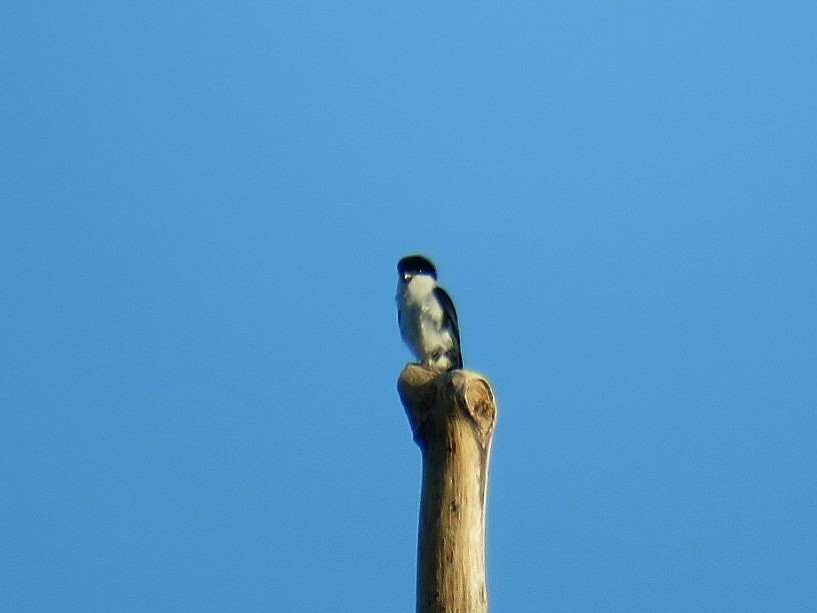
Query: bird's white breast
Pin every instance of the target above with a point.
(422, 317)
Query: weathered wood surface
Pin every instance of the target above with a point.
(452, 416)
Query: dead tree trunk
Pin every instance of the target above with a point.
(452, 416)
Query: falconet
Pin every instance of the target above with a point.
(426, 315)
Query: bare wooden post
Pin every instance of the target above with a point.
(452, 416)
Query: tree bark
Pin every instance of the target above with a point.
(452, 416)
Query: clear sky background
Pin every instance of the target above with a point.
(201, 209)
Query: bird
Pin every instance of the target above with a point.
(426, 315)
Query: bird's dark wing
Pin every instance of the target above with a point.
(450, 316)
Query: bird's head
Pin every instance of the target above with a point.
(412, 265)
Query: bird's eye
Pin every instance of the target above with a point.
(406, 276)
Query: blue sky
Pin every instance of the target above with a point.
(201, 209)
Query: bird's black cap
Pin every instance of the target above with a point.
(416, 264)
